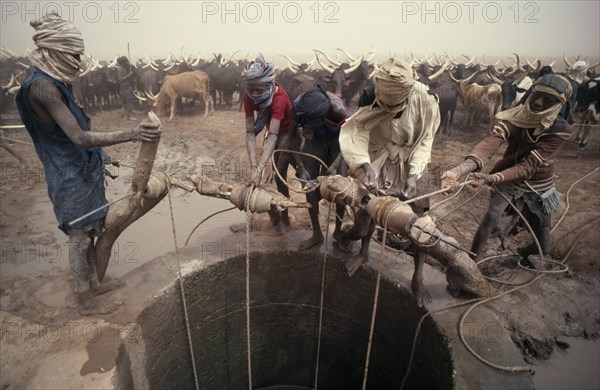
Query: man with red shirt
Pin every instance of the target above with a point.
(273, 108)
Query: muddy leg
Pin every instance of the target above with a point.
(313, 212)
(282, 224)
(80, 244)
(342, 244)
(354, 263)
(418, 287)
(96, 287)
(490, 220)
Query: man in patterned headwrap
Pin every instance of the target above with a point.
(273, 105)
(534, 133)
(387, 144)
(71, 154)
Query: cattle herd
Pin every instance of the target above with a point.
(482, 88)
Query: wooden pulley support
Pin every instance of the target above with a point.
(261, 199)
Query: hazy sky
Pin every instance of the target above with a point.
(531, 28)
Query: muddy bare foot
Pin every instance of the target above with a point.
(354, 263)
(96, 309)
(342, 243)
(421, 293)
(107, 286)
(312, 241)
(280, 229)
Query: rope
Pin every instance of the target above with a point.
(185, 311)
(206, 219)
(17, 141)
(478, 301)
(323, 293)
(567, 201)
(284, 181)
(376, 298)
(248, 225)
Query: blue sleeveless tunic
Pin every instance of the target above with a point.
(75, 176)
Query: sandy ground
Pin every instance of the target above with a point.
(46, 344)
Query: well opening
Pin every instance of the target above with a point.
(285, 295)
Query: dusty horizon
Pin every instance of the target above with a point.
(532, 29)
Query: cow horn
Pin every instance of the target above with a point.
(11, 53)
(139, 97)
(231, 57)
(471, 61)
(309, 64)
(11, 82)
(519, 67)
(439, 72)
(494, 78)
(150, 95)
(149, 60)
(331, 61)
(375, 69)
(569, 65)
(152, 66)
(167, 60)
(551, 64)
(529, 63)
(355, 66)
(348, 56)
(292, 67)
(482, 61)
(371, 55)
(594, 65)
(324, 66)
(290, 60)
(22, 65)
(114, 62)
(170, 66)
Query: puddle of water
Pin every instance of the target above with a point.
(145, 239)
(152, 235)
(574, 368)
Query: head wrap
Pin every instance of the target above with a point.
(394, 82)
(261, 72)
(311, 107)
(57, 41)
(522, 116)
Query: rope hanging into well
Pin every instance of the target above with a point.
(248, 226)
(181, 289)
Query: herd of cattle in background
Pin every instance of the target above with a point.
(480, 87)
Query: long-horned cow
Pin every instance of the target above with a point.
(476, 97)
(188, 85)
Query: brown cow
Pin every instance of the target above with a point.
(188, 85)
(476, 97)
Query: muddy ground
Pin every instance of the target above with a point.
(46, 344)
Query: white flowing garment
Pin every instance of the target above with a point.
(395, 148)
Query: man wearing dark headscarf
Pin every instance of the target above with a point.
(317, 116)
(71, 154)
(273, 105)
(534, 133)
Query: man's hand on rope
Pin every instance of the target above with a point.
(411, 187)
(256, 176)
(484, 178)
(367, 175)
(449, 179)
